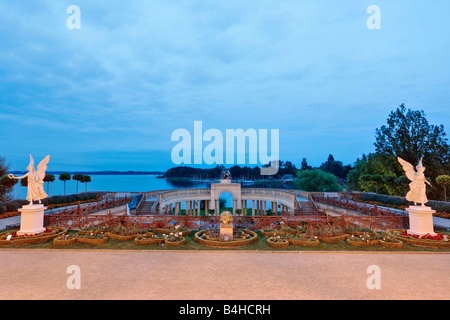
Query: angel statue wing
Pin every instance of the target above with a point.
(42, 167)
(408, 168)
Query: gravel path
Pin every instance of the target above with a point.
(42, 274)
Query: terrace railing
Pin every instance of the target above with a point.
(206, 222)
(365, 209)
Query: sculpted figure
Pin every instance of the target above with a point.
(226, 217)
(35, 177)
(417, 192)
(226, 174)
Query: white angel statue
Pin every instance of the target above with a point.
(417, 192)
(35, 190)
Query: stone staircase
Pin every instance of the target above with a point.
(308, 208)
(146, 208)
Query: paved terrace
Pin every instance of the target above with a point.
(42, 274)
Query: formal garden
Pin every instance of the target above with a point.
(304, 237)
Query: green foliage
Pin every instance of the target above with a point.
(49, 178)
(78, 178)
(8, 183)
(24, 182)
(408, 135)
(335, 167)
(64, 177)
(439, 206)
(305, 165)
(222, 202)
(383, 199)
(86, 180)
(12, 206)
(70, 198)
(316, 180)
(444, 181)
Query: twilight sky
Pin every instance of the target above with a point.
(109, 95)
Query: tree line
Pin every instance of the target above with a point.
(406, 134)
(6, 183)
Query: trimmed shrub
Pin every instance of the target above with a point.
(440, 206)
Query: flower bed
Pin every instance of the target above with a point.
(436, 241)
(120, 237)
(303, 240)
(122, 233)
(94, 229)
(209, 238)
(174, 239)
(184, 231)
(15, 239)
(65, 240)
(363, 240)
(392, 244)
(93, 238)
(333, 238)
(388, 240)
(149, 239)
(327, 233)
(270, 232)
(174, 243)
(277, 242)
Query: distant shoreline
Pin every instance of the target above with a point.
(110, 173)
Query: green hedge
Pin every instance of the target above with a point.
(12, 206)
(70, 198)
(440, 206)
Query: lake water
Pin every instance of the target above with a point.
(115, 183)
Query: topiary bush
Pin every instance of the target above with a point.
(440, 206)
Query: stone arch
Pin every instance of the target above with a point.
(233, 188)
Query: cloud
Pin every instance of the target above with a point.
(138, 70)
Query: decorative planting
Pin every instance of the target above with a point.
(434, 241)
(211, 238)
(122, 233)
(15, 239)
(303, 240)
(93, 238)
(363, 240)
(149, 239)
(277, 242)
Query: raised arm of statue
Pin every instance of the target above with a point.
(11, 176)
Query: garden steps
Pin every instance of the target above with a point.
(146, 208)
(308, 208)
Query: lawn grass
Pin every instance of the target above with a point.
(257, 246)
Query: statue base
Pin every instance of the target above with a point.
(226, 231)
(420, 220)
(31, 219)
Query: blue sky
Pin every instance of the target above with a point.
(109, 96)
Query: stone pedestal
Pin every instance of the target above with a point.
(31, 219)
(420, 220)
(226, 230)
